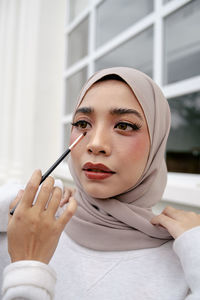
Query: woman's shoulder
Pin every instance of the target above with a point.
(188, 244)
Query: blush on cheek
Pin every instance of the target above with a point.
(137, 148)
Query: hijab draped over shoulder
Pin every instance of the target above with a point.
(123, 222)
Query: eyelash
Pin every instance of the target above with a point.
(134, 127)
(76, 124)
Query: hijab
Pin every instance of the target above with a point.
(122, 222)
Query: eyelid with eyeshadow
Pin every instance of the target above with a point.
(76, 124)
(134, 126)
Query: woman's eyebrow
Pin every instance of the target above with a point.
(84, 110)
(122, 111)
(113, 111)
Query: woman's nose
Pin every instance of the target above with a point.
(99, 143)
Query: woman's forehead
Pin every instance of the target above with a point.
(110, 93)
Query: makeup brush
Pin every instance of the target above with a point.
(58, 161)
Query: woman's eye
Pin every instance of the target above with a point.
(81, 124)
(127, 126)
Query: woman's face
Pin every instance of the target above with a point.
(111, 158)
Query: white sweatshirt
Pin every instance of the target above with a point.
(162, 273)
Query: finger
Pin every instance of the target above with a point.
(173, 213)
(17, 199)
(31, 189)
(164, 221)
(55, 201)
(67, 194)
(68, 212)
(45, 193)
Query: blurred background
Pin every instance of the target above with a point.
(49, 48)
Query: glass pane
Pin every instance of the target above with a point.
(76, 7)
(78, 43)
(183, 147)
(114, 16)
(182, 43)
(73, 87)
(136, 53)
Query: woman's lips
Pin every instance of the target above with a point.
(97, 171)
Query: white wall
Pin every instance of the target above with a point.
(31, 90)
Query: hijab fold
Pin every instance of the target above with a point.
(123, 222)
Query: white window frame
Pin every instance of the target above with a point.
(181, 188)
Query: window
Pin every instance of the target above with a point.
(183, 147)
(113, 16)
(182, 43)
(76, 7)
(74, 84)
(78, 43)
(136, 52)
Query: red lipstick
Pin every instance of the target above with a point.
(97, 171)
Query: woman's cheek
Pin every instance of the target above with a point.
(78, 150)
(74, 135)
(137, 148)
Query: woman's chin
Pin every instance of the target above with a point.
(95, 193)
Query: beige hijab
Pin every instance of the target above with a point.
(123, 222)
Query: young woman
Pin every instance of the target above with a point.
(113, 247)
